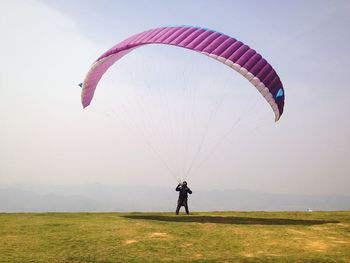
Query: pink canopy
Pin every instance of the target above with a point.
(227, 50)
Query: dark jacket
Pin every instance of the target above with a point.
(184, 191)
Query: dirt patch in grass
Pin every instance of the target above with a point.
(188, 245)
(130, 241)
(259, 254)
(248, 255)
(158, 235)
(318, 246)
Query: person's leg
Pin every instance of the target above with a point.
(178, 207)
(186, 207)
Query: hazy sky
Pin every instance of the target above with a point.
(46, 137)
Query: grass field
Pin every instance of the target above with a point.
(164, 237)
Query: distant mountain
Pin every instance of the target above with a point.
(93, 198)
(16, 200)
(244, 200)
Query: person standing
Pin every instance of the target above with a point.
(183, 197)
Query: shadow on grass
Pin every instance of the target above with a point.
(231, 220)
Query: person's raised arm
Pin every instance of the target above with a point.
(178, 188)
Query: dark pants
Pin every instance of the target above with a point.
(182, 202)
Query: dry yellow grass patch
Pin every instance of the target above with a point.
(248, 255)
(158, 235)
(272, 255)
(130, 241)
(259, 253)
(318, 228)
(343, 224)
(296, 231)
(317, 246)
(341, 242)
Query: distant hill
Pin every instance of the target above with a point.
(17, 200)
(137, 198)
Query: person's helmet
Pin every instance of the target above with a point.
(184, 183)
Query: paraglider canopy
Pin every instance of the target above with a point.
(221, 47)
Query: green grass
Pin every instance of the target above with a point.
(164, 237)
